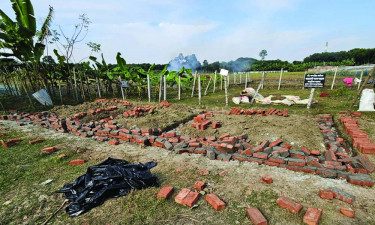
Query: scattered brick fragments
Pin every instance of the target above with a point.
(165, 192)
(63, 156)
(49, 150)
(9, 143)
(256, 216)
(215, 202)
(267, 179)
(312, 216)
(289, 204)
(347, 212)
(164, 103)
(272, 111)
(203, 172)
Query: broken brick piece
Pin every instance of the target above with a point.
(267, 179)
(199, 185)
(62, 156)
(289, 204)
(256, 216)
(165, 192)
(223, 173)
(215, 202)
(181, 195)
(326, 194)
(312, 216)
(77, 162)
(114, 142)
(203, 172)
(347, 212)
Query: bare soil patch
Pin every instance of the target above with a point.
(298, 130)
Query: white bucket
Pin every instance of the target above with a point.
(43, 97)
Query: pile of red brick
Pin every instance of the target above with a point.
(271, 111)
(138, 111)
(94, 112)
(359, 137)
(202, 123)
(164, 103)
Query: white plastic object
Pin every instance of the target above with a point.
(43, 97)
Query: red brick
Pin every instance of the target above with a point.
(268, 163)
(165, 192)
(267, 179)
(194, 144)
(256, 216)
(77, 162)
(49, 149)
(347, 212)
(114, 142)
(326, 194)
(223, 173)
(289, 204)
(275, 143)
(181, 195)
(203, 172)
(199, 185)
(224, 136)
(315, 152)
(62, 156)
(36, 141)
(190, 199)
(305, 150)
(312, 216)
(215, 201)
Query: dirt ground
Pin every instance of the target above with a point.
(237, 188)
(297, 130)
(161, 117)
(367, 125)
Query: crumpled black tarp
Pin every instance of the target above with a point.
(110, 179)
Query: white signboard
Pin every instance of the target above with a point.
(224, 72)
(124, 84)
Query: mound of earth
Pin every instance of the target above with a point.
(298, 130)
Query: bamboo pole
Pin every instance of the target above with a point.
(246, 81)
(165, 87)
(310, 98)
(263, 80)
(281, 75)
(205, 93)
(148, 88)
(160, 87)
(199, 89)
(226, 90)
(98, 85)
(334, 77)
(179, 87)
(259, 86)
(195, 77)
(214, 83)
(360, 90)
(122, 90)
(360, 80)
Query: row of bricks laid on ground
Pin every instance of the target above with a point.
(189, 198)
(333, 163)
(271, 111)
(359, 137)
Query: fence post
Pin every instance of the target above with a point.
(149, 88)
(199, 89)
(334, 78)
(195, 77)
(122, 90)
(165, 87)
(281, 75)
(360, 80)
(179, 87)
(214, 83)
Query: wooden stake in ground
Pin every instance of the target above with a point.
(360, 80)
(179, 87)
(303, 85)
(240, 78)
(259, 86)
(209, 81)
(334, 78)
(310, 98)
(148, 88)
(165, 87)
(360, 90)
(98, 85)
(263, 80)
(199, 89)
(195, 78)
(122, 90)
(281, 75)
(221, 82)
(214, 83)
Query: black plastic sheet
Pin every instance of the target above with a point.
(110, 179)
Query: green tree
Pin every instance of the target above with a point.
(263, 54)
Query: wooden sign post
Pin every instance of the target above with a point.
(225, 73)
(313, 81)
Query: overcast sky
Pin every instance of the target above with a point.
(216, 30)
